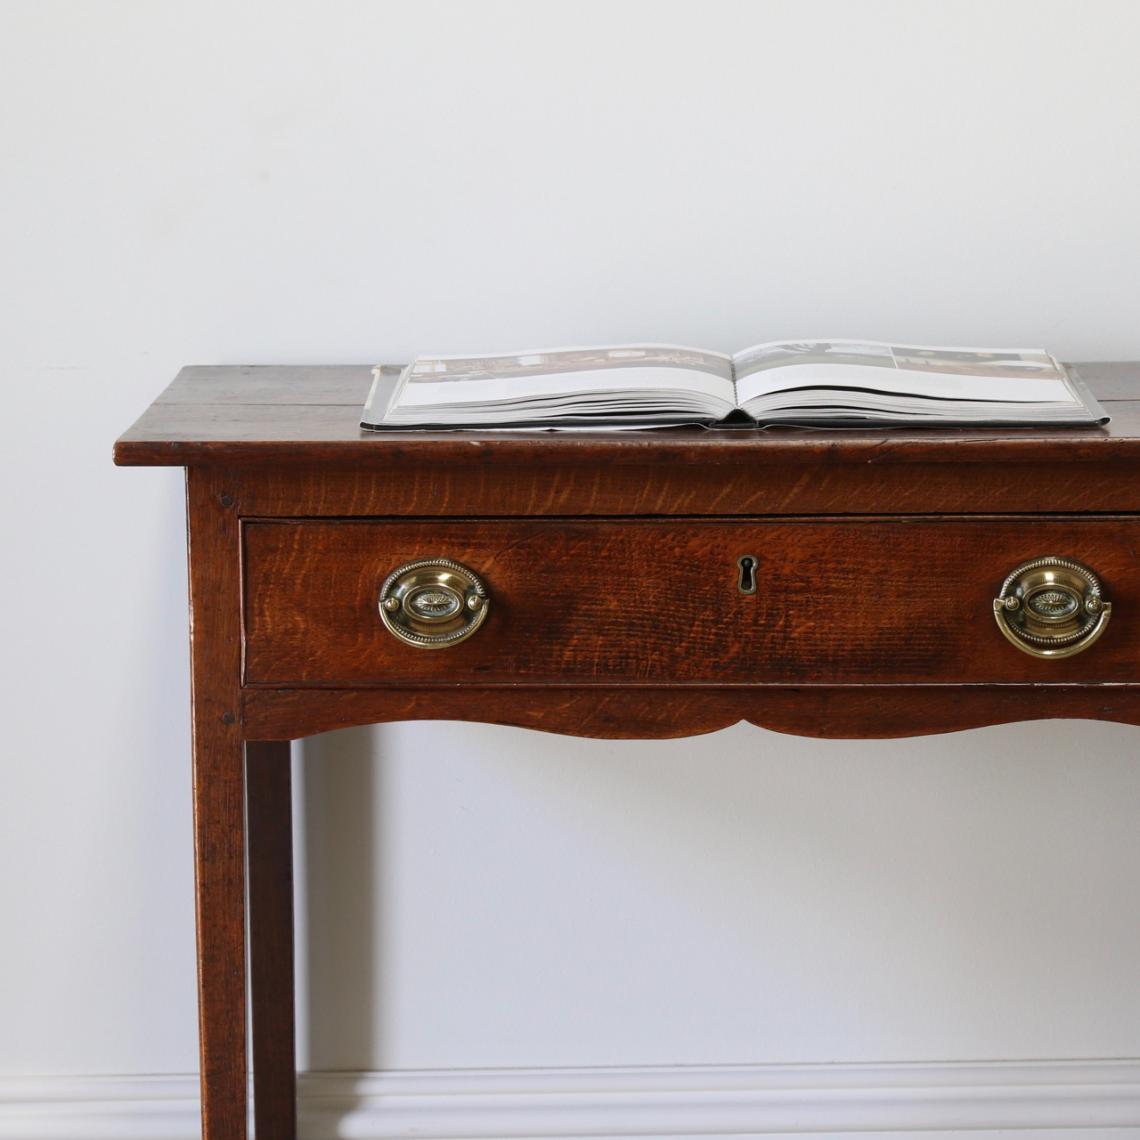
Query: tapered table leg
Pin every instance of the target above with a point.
(270, 843)
(219, 881)
(219, 801)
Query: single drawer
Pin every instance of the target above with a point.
(833, 601)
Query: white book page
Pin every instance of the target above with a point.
(1011, 375)
(513, 378)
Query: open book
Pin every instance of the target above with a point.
(829, 382)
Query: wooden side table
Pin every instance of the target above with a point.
(850, 583)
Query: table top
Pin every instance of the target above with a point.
(290, 414)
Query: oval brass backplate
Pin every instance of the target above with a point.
(1052, 607)
(433, 603)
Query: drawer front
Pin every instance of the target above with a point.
(843, 601)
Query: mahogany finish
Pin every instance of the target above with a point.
(839, 601)
(269, 820)
(615, 612)
(648, 713)
(219, 800)
(297, 417)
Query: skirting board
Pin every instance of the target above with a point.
(982, 1101)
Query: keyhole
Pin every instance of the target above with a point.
(747, 564)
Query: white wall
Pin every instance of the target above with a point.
(331, 182)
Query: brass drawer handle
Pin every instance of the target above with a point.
(1052, 607)
(433, 603)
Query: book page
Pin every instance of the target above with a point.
(509, 378)
(1012, 375)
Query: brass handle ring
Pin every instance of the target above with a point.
(1052, 607)
(433, 603)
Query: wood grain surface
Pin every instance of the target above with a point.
(296, 416)
(876, 600)
(648, 713)
(219, 801)
(667, 487)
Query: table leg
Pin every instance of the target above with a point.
(270, 840)
(220, 887)
(219, 801)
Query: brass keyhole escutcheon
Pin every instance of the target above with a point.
(1052, 607)
(746, 581)
(433, 603)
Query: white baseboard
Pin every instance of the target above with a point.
(984, 1101)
